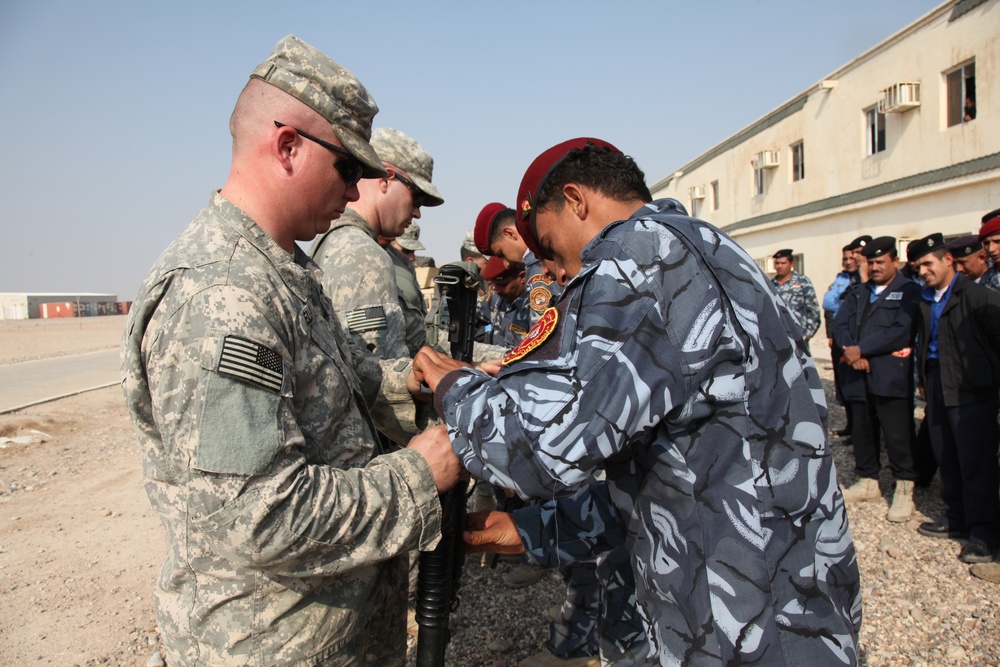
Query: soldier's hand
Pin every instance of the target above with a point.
(492, 531)
(862, 365)
(490, 366)
(434, 445)
(430, 366)
(852, 353)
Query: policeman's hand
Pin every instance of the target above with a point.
(492, 531)
(852, 354)
(862, 365)
(434, 445)
(430, 366)
(490, 366)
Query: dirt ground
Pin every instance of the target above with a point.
(79, 546)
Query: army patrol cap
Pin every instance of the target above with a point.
(963, 246)
(858, 243)
(784, 252)
(469, 244)
(534, 177)
(921, 247)
(405, 153)
(330, 90)
(991, 224)
(410, 239)
(484, 226)
(883, 245)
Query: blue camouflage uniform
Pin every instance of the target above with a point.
(510, 320)
(670, 363)
(991, 278)
(799, 295)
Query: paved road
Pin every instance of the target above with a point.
(34, 382)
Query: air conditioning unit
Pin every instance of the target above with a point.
(697, 192)
(900, 97)
(765, 160)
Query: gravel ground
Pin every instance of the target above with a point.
(922, 608)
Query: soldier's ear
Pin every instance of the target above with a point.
(576, 200)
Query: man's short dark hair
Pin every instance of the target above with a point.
(601, 169)
(501, 220)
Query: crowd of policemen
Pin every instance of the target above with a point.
(928, 326)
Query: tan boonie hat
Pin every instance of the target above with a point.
(329, 89)
(401, 151)
(410, 239)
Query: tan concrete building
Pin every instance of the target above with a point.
(904, 141)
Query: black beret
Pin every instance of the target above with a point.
(858, 243)
(963, 246)
(878, 247)
(921, 247)
(784, 252)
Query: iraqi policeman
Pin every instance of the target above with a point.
(796, 291)
(284, 520)
(670, 364)
(875, 329)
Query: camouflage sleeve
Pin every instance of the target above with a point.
(251, 489)
(810, 309)
(568, 530)
(607, 368)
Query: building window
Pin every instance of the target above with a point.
(695, 208)
(758, 181)
(961, 85)
(798, 161)
(715, 195)
(875, 130)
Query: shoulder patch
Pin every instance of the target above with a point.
(251, 362)
(370, 318)
(543, 328)
(539, 297)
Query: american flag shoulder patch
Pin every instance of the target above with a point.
(245, 360)
(369, 318)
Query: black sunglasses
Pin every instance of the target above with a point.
(350, 168)
(419, 197)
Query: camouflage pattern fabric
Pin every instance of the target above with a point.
(991, 278)
(411, 300)
(511, 320)
(673, 366)
(600, 597)
(799, 295)
(283, 527)
(360, 279)
(541, 289)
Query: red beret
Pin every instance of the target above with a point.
(534, 177)
(495, 268)
(484, 224)
(991, 224)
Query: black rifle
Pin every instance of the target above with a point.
(441, 569)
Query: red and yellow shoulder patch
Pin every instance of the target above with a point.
(543, 328)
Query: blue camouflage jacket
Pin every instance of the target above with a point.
(670, 363)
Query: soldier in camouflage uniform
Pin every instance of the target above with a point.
(594, 615)
(670, 364)
(797, 292)
(283, 526)
(358, 273)
(411, 299)
(496, 235)
(989, 234)
(509, 316)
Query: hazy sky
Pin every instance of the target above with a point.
(116, 112)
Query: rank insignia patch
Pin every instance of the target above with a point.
(543, 328)
(251, 362)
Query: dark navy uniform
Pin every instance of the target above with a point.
(882, 326)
